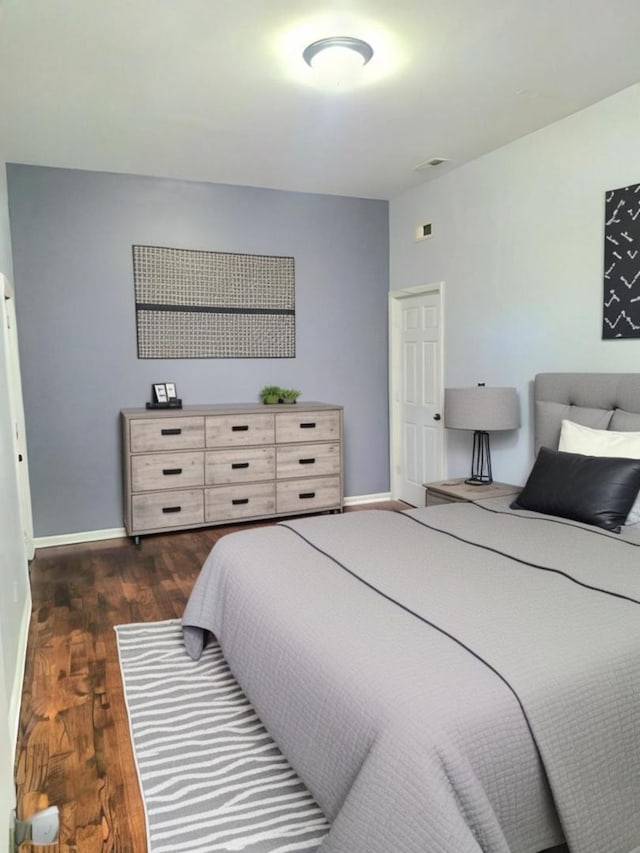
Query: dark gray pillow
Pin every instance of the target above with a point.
(596, 490)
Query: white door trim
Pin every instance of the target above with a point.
(395, 376)
(16, 406)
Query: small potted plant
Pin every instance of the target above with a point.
(289, 395)
(270, 394)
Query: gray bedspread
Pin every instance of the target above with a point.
(447, 680)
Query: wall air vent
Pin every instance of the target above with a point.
(429, 164)
(424, 231)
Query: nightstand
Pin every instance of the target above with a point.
(457, 491)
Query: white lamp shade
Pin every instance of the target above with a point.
(480, 408)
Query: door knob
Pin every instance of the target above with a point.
(436, 417)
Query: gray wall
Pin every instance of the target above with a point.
(518, 240)
(72, 233)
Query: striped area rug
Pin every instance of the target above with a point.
(212, 778)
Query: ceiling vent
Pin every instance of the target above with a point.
(429, 164)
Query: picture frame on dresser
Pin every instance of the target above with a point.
(164, 396)
(160, 392)
(205, 465)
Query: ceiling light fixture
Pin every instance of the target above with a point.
(342, 42)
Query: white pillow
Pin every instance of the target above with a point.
(575, 438)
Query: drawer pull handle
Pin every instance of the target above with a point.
(237, 501)
(309, 461)
(308, 425)
(167, 509)
(174, 431)
(169, 471)
(242, 428)
(235, 465)
(305, 495)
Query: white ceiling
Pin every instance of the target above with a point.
(216, 90)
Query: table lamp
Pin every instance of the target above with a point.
(482, 410)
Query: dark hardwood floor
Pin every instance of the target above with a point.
(73, 742)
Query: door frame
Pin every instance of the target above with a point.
(16, 409)
(396, 376)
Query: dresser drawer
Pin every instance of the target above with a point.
(239, 430)
(307, 426)
(166, 434)
(308, 495)
(432, 499)
(246, 501)
(155, 510)
(240, 466)
(167, 471)
(305, 460)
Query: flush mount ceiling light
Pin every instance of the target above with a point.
(341, 43)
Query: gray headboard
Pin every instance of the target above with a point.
(597, 400)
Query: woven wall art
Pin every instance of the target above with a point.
(194, 304)
(621, 301)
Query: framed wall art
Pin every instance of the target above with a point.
(621, 298)
(200, 304)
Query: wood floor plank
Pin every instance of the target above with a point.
(74, 748)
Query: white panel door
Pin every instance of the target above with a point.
(16, 412)
(417, 388)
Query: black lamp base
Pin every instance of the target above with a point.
(480, 460)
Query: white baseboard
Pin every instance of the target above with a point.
(120, 532)
(367, 499)
(76, 538)
(15, 697)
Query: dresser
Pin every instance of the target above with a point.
(205, 465)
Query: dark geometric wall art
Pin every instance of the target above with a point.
(196, 304)
(621, 299)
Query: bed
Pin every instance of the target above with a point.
(457, 678)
